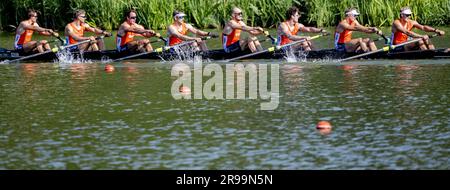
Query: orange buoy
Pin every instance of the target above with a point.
(109, 68)
(323, 125)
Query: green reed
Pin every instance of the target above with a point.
(157, 14)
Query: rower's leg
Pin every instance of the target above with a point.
(371, 44)
(305, 46)
(257, 43)
(40, 47)
(83, 47)
(310, 45)
(252, 45)
(430, 45)
(363, 45)
(144, 46)
(353, 45)
(243, 44)
(46, 45)
(203, 46)
(94, 47)
(29, 46)
(101, 44)
(133, 46)
(422, 45)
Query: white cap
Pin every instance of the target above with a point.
(406, 12)
(353, 12)
(180, 15)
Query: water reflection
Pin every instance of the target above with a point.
(391, 116)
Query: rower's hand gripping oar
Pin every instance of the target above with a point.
(54, 50)
(272, 49)
(385, 49)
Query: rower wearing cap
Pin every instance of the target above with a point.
(287, 30)
(231, 40)
(178, 30)
(74, 33)
(402, 30)
(25, 31)
(128, 30)
(343, 37)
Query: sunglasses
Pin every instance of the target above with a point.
(132, 17)
(407, 15)
(180, 17)
(83, 16)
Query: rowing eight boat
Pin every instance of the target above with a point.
(221, 55)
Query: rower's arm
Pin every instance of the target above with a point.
(311, 29)
(196, 31)
(398, 26)
(95, 30)
(175, 32)
(34, 27)
(138, 29)
(244, 27)
(427, 28)
(362, 28)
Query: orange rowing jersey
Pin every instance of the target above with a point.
(283, 39)
(400, 37)
(345, 36)
(122, 40)
(174, 40)
(78, 32)
(231, 38)
(23, 38)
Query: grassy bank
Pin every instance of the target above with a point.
(156, 14)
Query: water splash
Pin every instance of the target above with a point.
(185, 54)
(66, 57)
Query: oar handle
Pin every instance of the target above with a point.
(274, 40)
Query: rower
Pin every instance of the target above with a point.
(343, 37)
(24, 32)
(287, 31)
(402, 30)
(231, 40)
(178, 30)
(128, 30)
(74, 32)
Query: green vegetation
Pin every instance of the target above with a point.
(377, 12)
(157, 14)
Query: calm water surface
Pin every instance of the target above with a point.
(385, 115)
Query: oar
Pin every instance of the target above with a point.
(54, 50)
(272, 49)
(159, 50)
(160, 38)
(384, 49)
(266, 33)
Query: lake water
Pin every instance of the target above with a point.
(386, 114)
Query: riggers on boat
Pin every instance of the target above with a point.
(222, 55)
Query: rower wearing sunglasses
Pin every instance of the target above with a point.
(178, 30)
(231, 35)
(74, 33)
(24, 32)
(402, 30)
(128, 30)
(343, 37)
